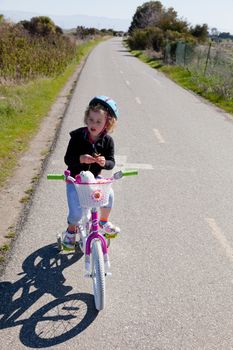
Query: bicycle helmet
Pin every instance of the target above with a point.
(106, 102)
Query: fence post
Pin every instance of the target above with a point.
(185, 51)
(207, 59)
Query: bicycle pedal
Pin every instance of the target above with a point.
(108, 274)
(66, 249)
(110, 236)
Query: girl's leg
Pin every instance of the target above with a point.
(75, 211)
(74, 216)
(104, 214)
(105, 211)
(107, 227)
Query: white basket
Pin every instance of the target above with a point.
(93, 195)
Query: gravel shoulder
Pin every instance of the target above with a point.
(17, 194)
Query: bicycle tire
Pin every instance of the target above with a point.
(98, 274)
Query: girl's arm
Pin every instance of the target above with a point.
(109, 155)
(72, 155)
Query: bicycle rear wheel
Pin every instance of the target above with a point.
(98, 274)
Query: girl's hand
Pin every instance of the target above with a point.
(87, 159)
(100, 160)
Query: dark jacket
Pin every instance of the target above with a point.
(79, 144)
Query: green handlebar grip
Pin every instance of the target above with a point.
(56, 177)
(130, 172)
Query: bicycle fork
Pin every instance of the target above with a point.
(95, 235)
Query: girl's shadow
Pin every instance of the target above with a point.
(42, 274)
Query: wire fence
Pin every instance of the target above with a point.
(212, 62)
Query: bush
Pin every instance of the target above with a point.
(155, 38)
(138, 40)
(24, 56)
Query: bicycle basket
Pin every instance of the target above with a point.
(93, 195)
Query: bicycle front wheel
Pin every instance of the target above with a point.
(98, 274)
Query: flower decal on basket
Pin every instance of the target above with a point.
(97, 195)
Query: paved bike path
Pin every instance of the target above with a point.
(172, 269)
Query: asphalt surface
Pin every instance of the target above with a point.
(171, 284)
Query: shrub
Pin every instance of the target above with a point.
(138, 40)
(26, 56)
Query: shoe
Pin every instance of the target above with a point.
(109, 230)
(69, 240)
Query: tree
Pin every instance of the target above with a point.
(153, 14)
(146, 15)
(83, 32)
(153, 26)
(42, 26)
(200, 32)
(225, 35)
(170, 21)
(214, 32)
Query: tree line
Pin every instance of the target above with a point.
(39, 48)
(153, 26)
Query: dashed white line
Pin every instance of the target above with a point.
(138, 100)
(127, 82)
(139, 166)
(121, 72)
(158, 136)
(218, 234)
(121, 163)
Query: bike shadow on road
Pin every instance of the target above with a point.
(58, 321)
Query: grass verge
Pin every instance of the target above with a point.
(3, 251)
(200, 84)
(154, 63)
(22, 108)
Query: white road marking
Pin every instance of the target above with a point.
(158, 136)
(121, 163)
(218, 234)
(138, 100)
(121, 72)
(138, 166)
(127, 82)
(174, 168)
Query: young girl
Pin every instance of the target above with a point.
(91, 148)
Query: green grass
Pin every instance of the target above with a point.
(4, 248)
(149, 60)
(201, 85)
(10, 235)
(22, 108)
(3, 251)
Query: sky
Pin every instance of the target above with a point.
(215, 13)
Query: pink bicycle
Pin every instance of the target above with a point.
(91, 242)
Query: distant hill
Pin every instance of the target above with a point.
(72, 21)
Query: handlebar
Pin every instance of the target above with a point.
(129, 172)
(116, 176)
(56, 177)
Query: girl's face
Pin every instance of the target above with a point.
(96, 122)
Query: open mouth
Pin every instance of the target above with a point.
(93, 129)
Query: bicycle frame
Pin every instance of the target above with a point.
(93, 243)
(94, 234)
